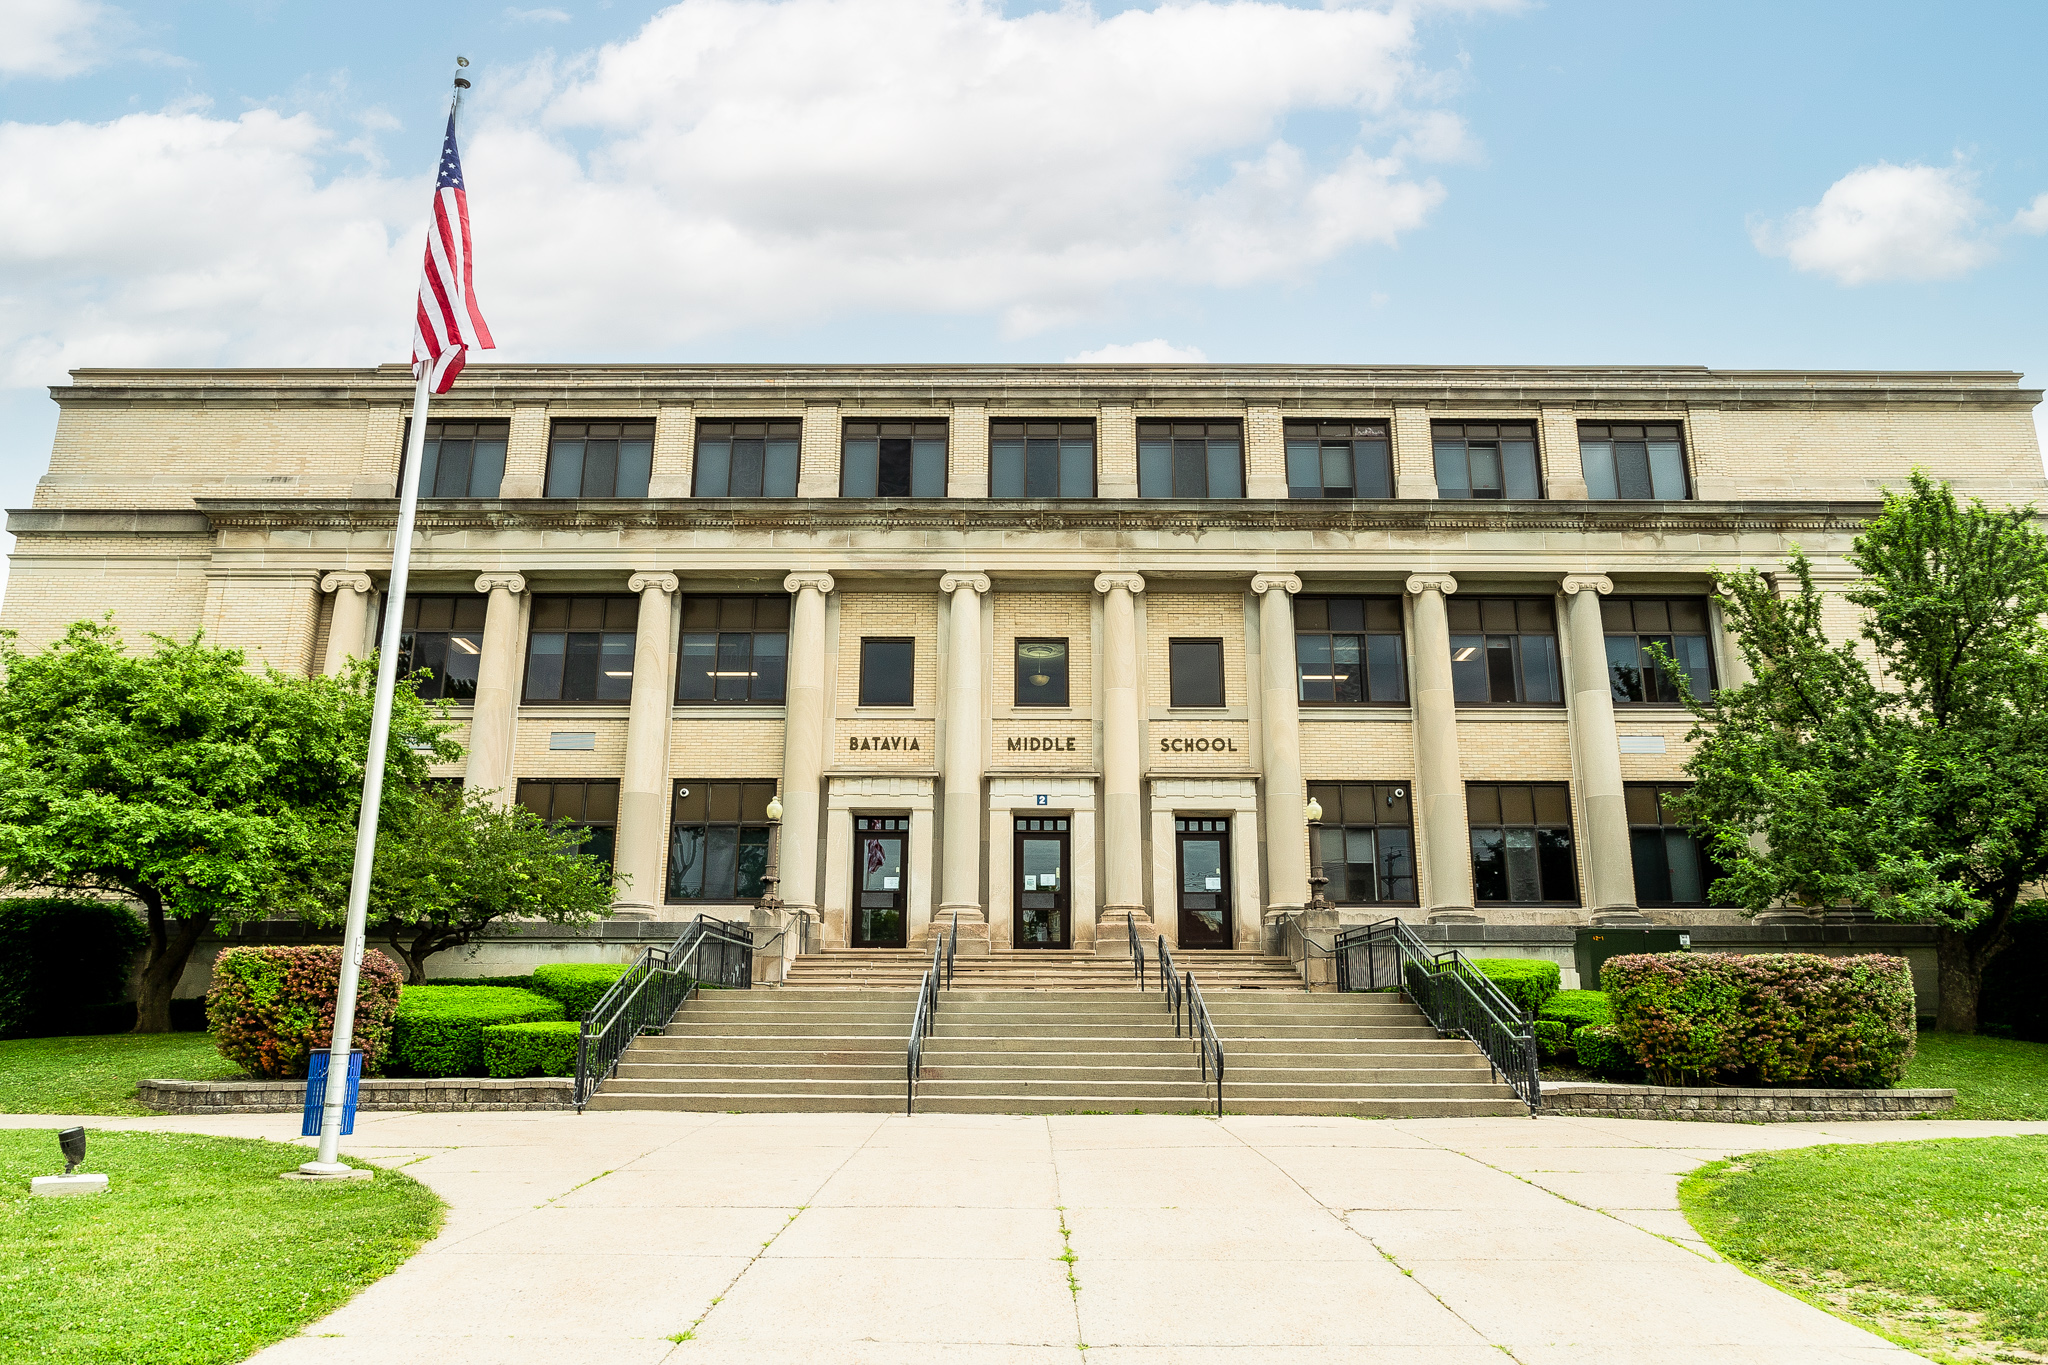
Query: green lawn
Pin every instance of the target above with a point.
(198, 1253)
(97, 1075)
(1941, 1246)
(1994, 1078)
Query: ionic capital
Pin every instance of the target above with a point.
(1265, 582)
(955, 581)
(510, 582)
(354, 582)
(1575, 583)
(816, 581)
(1419, 583)
(642, 581)
(1129, 582)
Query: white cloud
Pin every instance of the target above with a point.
(50, 37)
(2033, 219)
(537, 16)
(1886, 222)
(1157, 351)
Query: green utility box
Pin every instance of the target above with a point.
(1596, 945)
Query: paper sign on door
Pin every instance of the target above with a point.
(889, 883)
(1030, 882)
(1215, 884)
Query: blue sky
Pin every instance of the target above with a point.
(1738, 185)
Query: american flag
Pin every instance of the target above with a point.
(448, 323)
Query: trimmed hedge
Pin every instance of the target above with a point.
(1770, 1019)
(1599, 1051)
(577, 985)
(545, 1048)
(1576, 1009)
(1550, 1040)
(524, 983)
(439, 1029)
(1528, 981)
(60, 960)
(271, 1008)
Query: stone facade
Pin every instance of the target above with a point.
(258, 506)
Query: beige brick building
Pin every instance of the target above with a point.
(1034, 647)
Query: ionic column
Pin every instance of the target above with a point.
(1439, 775)
(642, 794)
(497, 691)
(960, 868)
(347, 629)
(1596, 755)
(1123, 836)
(803, 738)
(1280, 733)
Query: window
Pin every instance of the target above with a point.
(1504, 650)
(1485, 460)
(1368, 849)
(893, 460)
(462, 459)
(445, 637)
(747, 459)
(718, 841)
(1195, 672)
(734, 649)
(888, 672)
(1041, 673)
(600, 459)
(1672, 866)
(1041, 460)
(1522, 843)
(581, 649)
(1338, 460)
(1190, 460)
(1348, 649)
(1645, 462)
(587, 805)
(1634, 624)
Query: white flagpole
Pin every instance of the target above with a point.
(355, 929)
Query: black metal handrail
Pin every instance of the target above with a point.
(1309, 947)
(1137, 947)
(952, 947)
(650, 992)
(921, 1025)
(1203, 1030)
(1169, 981)
(1457, 998)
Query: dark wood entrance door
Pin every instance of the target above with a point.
(878, 852)
(1041, 876)
(1202, 851)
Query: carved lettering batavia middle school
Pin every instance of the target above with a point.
(1035, 744)
(904, 742)
(1197, 746)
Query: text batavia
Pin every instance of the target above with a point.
(905, 742)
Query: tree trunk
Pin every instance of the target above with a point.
(170, 947)
(1960, 960)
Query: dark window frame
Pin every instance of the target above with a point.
(1344, 803)
(535, 630)
(910, 679)
(920, 430)
(1022, 699)
(1707, 870)
(1178, 469)
(1312, 605)
(1647, 677)
(603, 843)
(751, 793)
(634, 477)
(725, 649)
(1174, 682)
(1481, 434)
(439, 432)
(1490, 667)
(1032, 469)
(1543, 854)
(1606, 470)
(1296, 434)
(412, 640)
(709, 480)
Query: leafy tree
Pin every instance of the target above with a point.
(1909, 779)
(180, 780)
(452, 864)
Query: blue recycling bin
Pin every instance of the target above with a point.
(316, 1093)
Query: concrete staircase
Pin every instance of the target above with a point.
(1069, 969)
(1052, 1052)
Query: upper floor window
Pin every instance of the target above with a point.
(581, 805)
(1041, 672)
(1368, 852)
(1634, 624)
(1041, 460)
(1672, 865)
(888, 671)
(1348, 649)
(445, 637)
(463, 459)
(734, 649)
(1644, 463)
(718, 841)
(1194, 672)
(1485, 460)
(1522, 842)
(1190, 460)
(581, 649)
(893, 460)
(1504, 650)
(747, 459)
(600, 459)
(1339, 460)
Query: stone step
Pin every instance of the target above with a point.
(727, 1102)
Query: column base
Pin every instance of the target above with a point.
(974, 937)
(1787, 915)
(634, 910)
(1619, 917)
(1455, 914)
(1112, 937)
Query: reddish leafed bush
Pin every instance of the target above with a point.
(272, 1008)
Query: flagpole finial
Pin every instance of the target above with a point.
(461, 82)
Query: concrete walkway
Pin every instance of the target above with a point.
(829, 1238)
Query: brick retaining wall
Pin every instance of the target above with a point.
(456, 1094)
(1719, 1104)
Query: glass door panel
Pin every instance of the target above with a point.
(1041, 892)
(878, 848)
(1202, 848)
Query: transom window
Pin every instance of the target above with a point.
(445, 637)
(463, 459)
(1348, 649)
(1190, 460)
(1504, 650)
(600, 459)
(747, 459)
(1041, 673)
(888, 671)
(718, 840)
(1194, 672)
(581, 649)
(1639, 462)
(1672, 865)
(1633, 625)
(1522, 843)
(580, 804)
(734, 649)
(1339, 460)
(1368, 846)
(1041, 460)
(893, 460)
(1485, 460)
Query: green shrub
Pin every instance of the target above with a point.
(1576, 1009)
(1599, 1050)
(439, 1029)
(524, 983)
(271, 1008)
(60, 959)
(1528, 981)
(1550, 1040)
(1678, 1014)
(577, 985)
(546, 1048)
